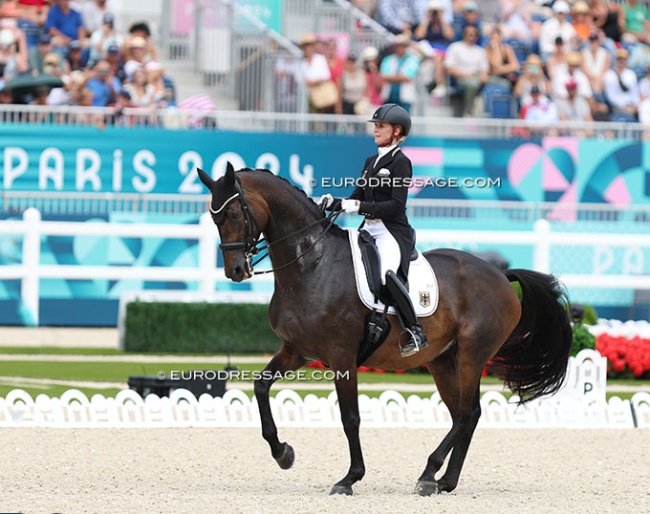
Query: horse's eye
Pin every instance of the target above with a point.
(233, 214)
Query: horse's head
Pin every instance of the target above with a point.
(240, 219)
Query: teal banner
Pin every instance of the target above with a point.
(562, 170)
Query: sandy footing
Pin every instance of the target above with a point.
(232, 471)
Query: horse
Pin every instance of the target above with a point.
(316, 313)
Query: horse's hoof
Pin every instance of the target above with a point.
(424, 488)
(285, 461)
(341, 489)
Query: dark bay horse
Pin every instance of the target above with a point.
(316, 313)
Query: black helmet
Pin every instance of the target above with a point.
(393, 113)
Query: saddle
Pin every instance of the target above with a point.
(367, 265)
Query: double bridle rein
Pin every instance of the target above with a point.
(251, 243)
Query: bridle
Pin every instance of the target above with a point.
(251, 243)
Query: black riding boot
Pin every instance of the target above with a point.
(417, 339)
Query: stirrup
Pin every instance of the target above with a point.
(414, 344)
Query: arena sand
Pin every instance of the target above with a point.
(148, 471)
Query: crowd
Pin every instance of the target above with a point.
(551, 60)
(62, 52)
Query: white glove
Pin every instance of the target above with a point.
(326, 201)
(350, 205)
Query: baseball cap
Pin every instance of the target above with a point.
(571, 83)
(470, 7)
(108, 18)
(534, 90)
(561, 7)
(113, 49)
(45, 39)
(352, 56)
(74, 44)
(593, 35)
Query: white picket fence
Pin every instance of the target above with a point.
(32, 229)
(581, 404)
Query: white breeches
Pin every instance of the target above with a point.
(386, 244)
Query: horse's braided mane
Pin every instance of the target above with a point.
(300, 192)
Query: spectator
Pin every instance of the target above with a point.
(644, 85)
(116, 62)
(504, 65)
(136, 56)
(622, 89)
(399, 71)
(101, 84)
(105, 36)
(582, 22)
(141, 30)
(6, 95)
(573, 107)
(571, 70)
(335, 63)
(142, 93)
(53, 64)
(595, 62)
(13, 53)
(470, 16)
(353, 89)
(39, 95)
(36, 55)
(532, 76)
(637, 22)
(369, 58)
(518, 23)
(17, 15)
(555, 27)
(399, 16)
(34, 12)
(557, 60)
(541, 113)
(315, 71)
(64, 24)
(491, 15)
(287, 73)
(435, 35)
(76, 58)
(93, 12)
(164, 93)
(75, 85)
(610, 18)
(467, 64)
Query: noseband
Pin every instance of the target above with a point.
(251, 242)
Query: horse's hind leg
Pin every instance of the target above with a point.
(461, 394)
(283, 361)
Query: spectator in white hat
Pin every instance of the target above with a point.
(557, 26)
(13, 53)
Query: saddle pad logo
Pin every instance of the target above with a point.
(425, 298)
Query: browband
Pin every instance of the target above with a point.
(225, 204)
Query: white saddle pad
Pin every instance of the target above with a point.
(423, 285)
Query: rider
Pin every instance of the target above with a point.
(382, 202)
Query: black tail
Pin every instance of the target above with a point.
(533, 361)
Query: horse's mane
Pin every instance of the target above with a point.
(296, 192)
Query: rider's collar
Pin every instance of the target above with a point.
(383, 150)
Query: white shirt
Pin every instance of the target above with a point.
(550, 30)
(615, 94)
(317, 69)
(466, 58)
(383, 150)
(562, 75)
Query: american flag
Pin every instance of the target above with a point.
(197, 105)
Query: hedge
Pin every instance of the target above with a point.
(198, 328)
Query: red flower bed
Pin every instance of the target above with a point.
(625, 356)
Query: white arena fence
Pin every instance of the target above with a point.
(580, 403)
(205, 274)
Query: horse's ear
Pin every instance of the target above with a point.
(229, 177)
(205, 178)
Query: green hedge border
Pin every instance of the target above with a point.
(170, 327)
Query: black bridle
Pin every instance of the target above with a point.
(251, 243)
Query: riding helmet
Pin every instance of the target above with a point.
(395, 114)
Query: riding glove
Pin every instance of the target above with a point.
(350, 206)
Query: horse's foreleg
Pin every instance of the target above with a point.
(346, 389)
(283, 361)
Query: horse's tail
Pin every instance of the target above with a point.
(533, 361)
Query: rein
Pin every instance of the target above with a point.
(251, 243)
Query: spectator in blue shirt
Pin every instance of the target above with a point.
(101, 84)
(64, 24)
(471, 16)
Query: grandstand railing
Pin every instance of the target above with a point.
(252, 121)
